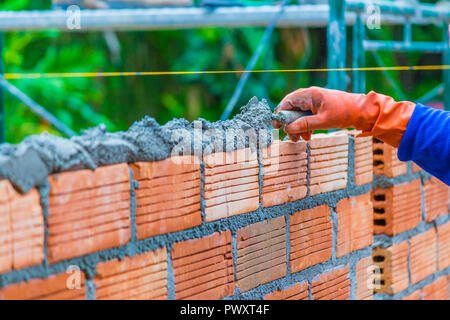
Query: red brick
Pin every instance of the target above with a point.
(355, 224)
(168, 197)
(385, 160)
(436, 290)
(55, 287)
(310, 234)
(261, 253)
(363, 158)
(393, 266)
(416, 168)
(89, 211)
(423, 254)
(413, 296)
(298, 291)
(443, 232)
(68, 182)
(436, 199)
(285, 169)
(328, 162)
(397, 209)
(231, 183)
(364, 279)
(333, 285)
(21, 228)
(203, 268)
(141, 277)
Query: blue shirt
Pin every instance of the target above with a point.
(427, 141)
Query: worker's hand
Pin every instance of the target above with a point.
(374, 114)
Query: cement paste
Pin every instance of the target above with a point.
(29, 163)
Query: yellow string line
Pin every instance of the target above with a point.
(12, 76)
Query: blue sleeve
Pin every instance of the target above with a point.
(427, 141)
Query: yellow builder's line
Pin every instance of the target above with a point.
(12, 76)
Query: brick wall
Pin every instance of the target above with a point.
(339, 217)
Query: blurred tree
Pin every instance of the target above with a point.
(119, 101)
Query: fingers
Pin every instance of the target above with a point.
(276, 124)
(294, 138)
(307, 125)
(300, 99)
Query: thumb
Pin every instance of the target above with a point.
(306, 124)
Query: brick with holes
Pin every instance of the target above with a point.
(285, 168)
(333, 285)
(89, 211)
(355, 224)
(261, 253)
(298, 291)
(63, 286)
(391, 268)
(203, 268)
(436, 199)
(168, 197)
(141, 277)
(437, 290)
(364, 279)
(423, 255)
(231, 183)
(21, 228)
(310, 237)
(328, 162)
(443, 232)
(397, 209)
(385, 160)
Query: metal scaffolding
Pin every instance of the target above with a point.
(336, 16)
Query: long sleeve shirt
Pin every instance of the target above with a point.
(427, 141)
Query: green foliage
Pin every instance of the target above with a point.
(119, 101)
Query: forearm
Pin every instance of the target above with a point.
(426, 141)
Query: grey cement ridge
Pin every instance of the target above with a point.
(28, 164)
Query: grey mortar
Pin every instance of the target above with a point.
(28, 164)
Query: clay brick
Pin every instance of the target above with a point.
(385, 160)
(423, 254)
(364, 279)
(436, 290)
(397, 209)
(21, 228)
(328, 162)
(55, 287)
(89, 211)
(261, 253)
(231, 183)
(392, 263)
(413, 296)
(168, 197)
(416, 168)
(443, 232)
(141, 277)
(334, 285)
(436, 199)
(68, 182)
(355, 224)
(298, 291)
(363, 157)
(363, 160)
(285, 169)
(203, 268)
(310, 234)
